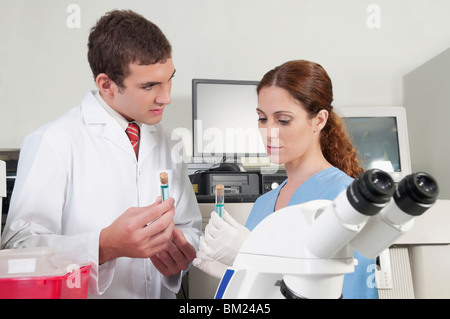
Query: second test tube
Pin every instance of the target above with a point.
(220, 200)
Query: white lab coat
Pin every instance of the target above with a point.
(76, 175)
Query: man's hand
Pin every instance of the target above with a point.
(140, 232)
(176, 257)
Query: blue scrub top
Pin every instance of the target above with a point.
(326, 184)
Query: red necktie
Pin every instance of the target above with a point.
(133, 134)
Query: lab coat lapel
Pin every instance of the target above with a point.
(95, 115)
(147, 141)
(114, 133)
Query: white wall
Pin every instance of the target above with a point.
(427, 99)
(44, 70)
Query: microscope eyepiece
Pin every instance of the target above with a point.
(382, 181)
(415, 193)
(370, 190)
(427, 184)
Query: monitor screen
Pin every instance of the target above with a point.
(225, 122)
(376, 140)
(380, 137)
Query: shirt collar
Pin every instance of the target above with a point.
(113, 113)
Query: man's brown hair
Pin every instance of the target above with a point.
(123, 37)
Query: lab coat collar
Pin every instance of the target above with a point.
(94, 114)
(92, 111)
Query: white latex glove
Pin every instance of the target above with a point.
(224, 237)
(206, 263)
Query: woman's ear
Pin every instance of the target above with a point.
(320, 120)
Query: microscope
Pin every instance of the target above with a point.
(303, 251)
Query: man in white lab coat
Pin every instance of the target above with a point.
(81, 187)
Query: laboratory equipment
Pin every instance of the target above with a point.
(10, 157)
(272, 180)
(380, 137)
(2, 186)
(238, 186)
(220, 200)
(41, 273)
(304, 251)
(420, 259)
(414, 195)
(164, 178)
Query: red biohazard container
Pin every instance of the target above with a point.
(39, 273)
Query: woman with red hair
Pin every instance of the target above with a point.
(301, 131)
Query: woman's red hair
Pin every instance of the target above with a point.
(310, 84)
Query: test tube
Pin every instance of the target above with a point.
(220, 200)
(164, 177)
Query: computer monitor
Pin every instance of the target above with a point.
(225, 122)
(380, 136)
